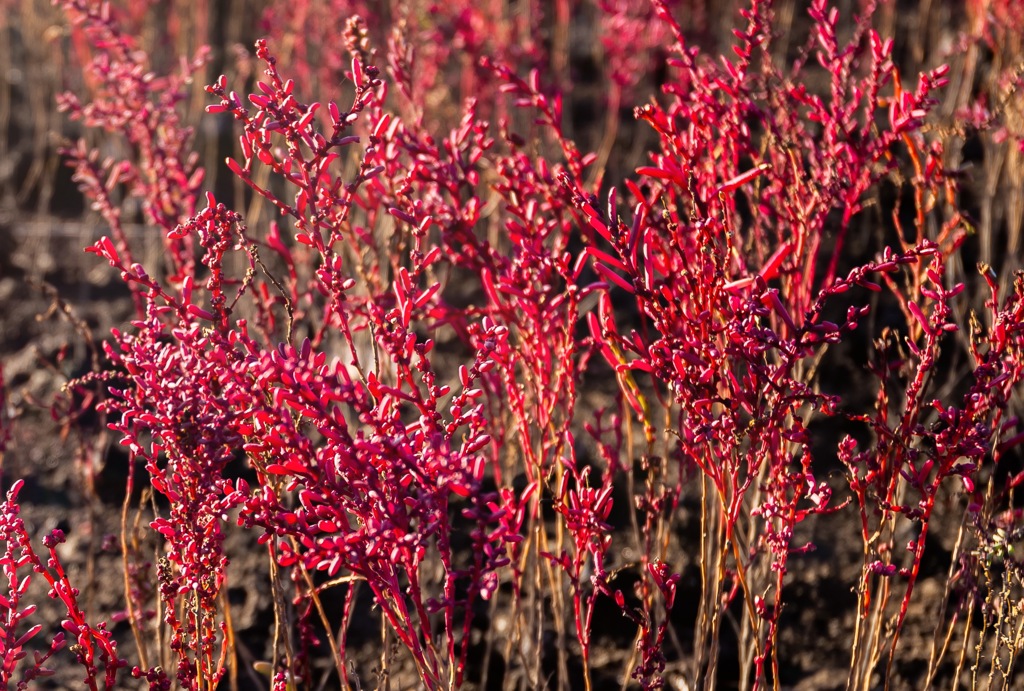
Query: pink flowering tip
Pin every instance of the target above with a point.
(920, 317)
(592, 213)
(639, 217)
(474, 445)
(738, 285)
(563, 486)
(597, 224)
(403, 283)
(373, 172)
(432, 256)
(600, 256)
(427, 295)
(306, 119)
(460, 489)
(595, 328)
(660, 174)
(164, 528)
(614, 278)
(633, 402)
(373, 385)
(881, 568)
(186, 291)
(25, 637)
(199, 312)
(641, 365)
(357, 71)
(104, 247)
(382, 126)
(265, 157)
(577, 267)
(771, 267)
(235, 167)
(275, 242)
(771, 299)
(487, 280)
(665, 580)
(743, 178)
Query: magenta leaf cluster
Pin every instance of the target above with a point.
(480, 370)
